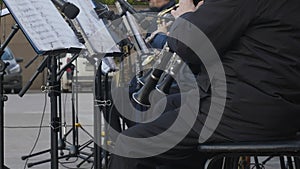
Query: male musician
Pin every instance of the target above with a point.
(159, 5)
(158, 32)
(258, 44)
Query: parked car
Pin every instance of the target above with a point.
(13, 73)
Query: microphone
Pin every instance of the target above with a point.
(69, 9)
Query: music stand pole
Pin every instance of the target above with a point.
(97, 119)
(53, 94)
(3, 98)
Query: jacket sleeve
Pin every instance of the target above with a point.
(222, 21)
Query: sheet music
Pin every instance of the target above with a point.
(43, 25)
(94, 28)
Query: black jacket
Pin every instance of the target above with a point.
(258, 42)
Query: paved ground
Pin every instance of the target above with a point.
(22, 120)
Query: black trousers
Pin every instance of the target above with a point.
(183, 155)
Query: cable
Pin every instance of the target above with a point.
(39, 131)
(24, 127)
(64, 113)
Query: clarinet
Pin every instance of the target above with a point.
(142, 96)
(165, 84)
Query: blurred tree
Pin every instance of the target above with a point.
(132, 2)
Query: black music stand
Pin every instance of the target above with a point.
(49, 35)
(101, 91)
(3, 97)
(54, 92)
(53, 88)
(102, 104)
(97, 121)
(54, 124)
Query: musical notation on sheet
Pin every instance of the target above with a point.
(43, 25)
(94, 28)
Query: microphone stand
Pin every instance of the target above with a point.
(3, 97)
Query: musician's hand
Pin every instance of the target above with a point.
(199, 4)
(184, 7)
(163, 27)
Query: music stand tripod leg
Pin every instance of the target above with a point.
(35, 154)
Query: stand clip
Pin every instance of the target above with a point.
(103, 103)
(55, 124)
(4, 98)
(47, 88)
